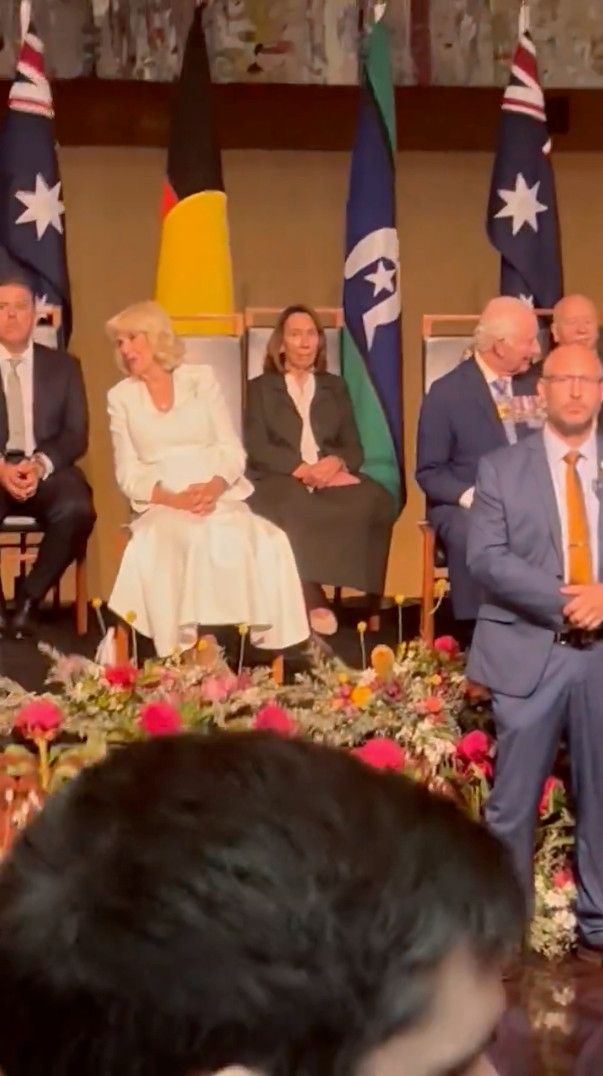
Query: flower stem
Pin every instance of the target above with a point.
(44, 764)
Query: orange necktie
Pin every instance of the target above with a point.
(579, 558)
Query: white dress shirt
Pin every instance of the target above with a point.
(25, 375)
(490, 376)
(587, 467)
(302, 394)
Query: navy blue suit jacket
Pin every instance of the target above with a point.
(458, 424)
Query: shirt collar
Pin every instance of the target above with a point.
(490, 375)
(26, 354)
(557, 448)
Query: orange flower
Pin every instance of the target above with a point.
(360, 695)
(433, 705)
(382, 660)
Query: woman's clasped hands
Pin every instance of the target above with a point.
(200, 498)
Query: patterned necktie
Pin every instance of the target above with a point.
(579, 556)
(14, 407)
(503, 398)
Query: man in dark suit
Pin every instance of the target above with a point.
(536, 547)
(469, 412)
(43, 432)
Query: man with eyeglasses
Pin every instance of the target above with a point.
(535, 545)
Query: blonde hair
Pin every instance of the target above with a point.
(154, 322)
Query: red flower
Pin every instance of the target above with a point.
(551, 786)
(562, 878)
(474, 747)
(382, 753)
(39, 720)
(273, 718)
(121, 676)
(433, 705)
(159, 719)
(447, 644)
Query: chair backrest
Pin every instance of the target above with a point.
(48, 325)
(259, 323)
(225, 356)
(448, 338)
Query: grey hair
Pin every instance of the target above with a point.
(491, 329)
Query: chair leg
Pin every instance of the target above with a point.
(337, 599)
(81, 596)
(278, 670)
(122, 650)
(374, 617)
(428, 588)
(56, 598)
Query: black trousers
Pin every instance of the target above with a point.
(62, 505)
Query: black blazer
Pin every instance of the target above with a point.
(273, 427)
(60, 408)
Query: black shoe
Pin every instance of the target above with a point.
(22, 624)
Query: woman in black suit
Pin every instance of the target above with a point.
(304, 459)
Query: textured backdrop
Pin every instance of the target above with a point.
(440, 42)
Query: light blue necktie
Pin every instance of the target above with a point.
(503, 398)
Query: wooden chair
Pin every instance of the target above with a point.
(21, 549)
(446, 339)
(263, 317)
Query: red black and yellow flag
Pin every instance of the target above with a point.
(194, 273)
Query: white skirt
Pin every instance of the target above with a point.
(230, 567)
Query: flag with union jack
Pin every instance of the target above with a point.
(522, 222)
(32, 228)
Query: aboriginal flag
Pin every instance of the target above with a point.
(194, 274)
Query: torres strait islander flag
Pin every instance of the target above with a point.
(194, 274)
(372, 332)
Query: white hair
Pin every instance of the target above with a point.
(491, 329)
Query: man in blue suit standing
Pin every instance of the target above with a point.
(535, 545)
(469, 412)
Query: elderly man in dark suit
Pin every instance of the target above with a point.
(467, 413)
(43, 432)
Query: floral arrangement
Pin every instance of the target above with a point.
(410, 710)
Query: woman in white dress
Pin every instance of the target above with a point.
(197, 554)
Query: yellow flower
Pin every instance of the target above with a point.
(130, 617)
(361, 627)
(342, 678)
(361, 695)
(435, 680)
(96, 603)
(243, 629)
(201, 644)
(382, 660)
(399, 599)
(441, 588)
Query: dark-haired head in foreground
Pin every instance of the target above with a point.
(194, 903)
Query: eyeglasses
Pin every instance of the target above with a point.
(572, 379)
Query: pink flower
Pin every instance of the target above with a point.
(474, 747)
(121, 676)
(563, 878)
(218, 688)
(446, 644)
(552, 785)
(159, 719)
(382, 753)
(274, 718)
(39, 720)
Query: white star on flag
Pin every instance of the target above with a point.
(522, 205)
(382, 279)
(43, 206)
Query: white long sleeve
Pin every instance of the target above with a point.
(231, 456)
(135, 478)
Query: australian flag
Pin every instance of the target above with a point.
(522, 219)
(32, 226)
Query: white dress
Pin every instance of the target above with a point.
(180, 569)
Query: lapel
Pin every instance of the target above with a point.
(543, 482)
(283, 406)
(479, 391)
(41, 390)
(319, 408)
